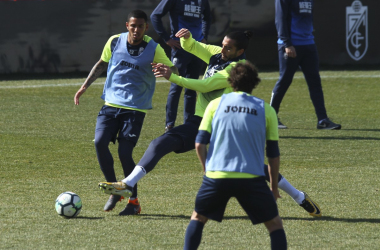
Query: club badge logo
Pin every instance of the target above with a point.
(357, 30)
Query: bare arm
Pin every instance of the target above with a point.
(96, 71)
(273, 169)
(202, 154)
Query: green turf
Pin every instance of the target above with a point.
(46, 148)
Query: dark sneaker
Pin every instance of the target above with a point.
(281, 126)
(133, 208)
(117, 188)
(311, 207)
(328, 124)
(111, 203)
(168, 127)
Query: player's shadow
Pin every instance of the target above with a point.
(332, 138)
(87, 218)
(331, 218)
(323, 218)
(366, 129)
(164, 216)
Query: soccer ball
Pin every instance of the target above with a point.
(68, 204)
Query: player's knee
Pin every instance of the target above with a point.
(274, 224)
(199, 217)
(100, 142)
(157, 142)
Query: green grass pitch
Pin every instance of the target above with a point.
(46, 148)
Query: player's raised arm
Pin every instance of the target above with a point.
(185, 33)
(96, 71)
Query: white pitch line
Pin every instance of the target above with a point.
(335, 76)
(54, 85)
(162, 81)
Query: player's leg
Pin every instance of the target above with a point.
(258, 202)
(180, 139)
(301, 198)
(276, 233)
(210, 203)
(284, 185)
(157, 149)
(106, 130)
(131, 124)
(133, 206)
(194, 230)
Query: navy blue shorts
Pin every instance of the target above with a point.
(188, 132)
(120, 123)
(253, 195)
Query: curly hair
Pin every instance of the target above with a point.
(244, 77)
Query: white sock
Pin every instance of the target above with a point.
(136, 175)
(297, 195)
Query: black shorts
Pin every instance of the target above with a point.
(253, 195)
(120, 123)
(187, 132)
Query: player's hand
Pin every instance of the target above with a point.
(174, 44)
(276, 193)
(161, 70)
(291, 52)
(78, 95)
(185, 33)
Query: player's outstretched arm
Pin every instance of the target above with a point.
(162, 70)
(174, 70)
(96, 71)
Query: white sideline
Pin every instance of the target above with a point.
(162, 81)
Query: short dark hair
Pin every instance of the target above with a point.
(241, 38)
(138, 14)
(244, 77)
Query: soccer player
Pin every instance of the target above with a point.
(238, 126)
(196, 17)
(181, 139)
(296, 48)
(127, 93)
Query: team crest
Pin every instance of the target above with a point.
(141, 50)
(357, 30)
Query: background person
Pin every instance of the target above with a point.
(196, 17)
(296, 48)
